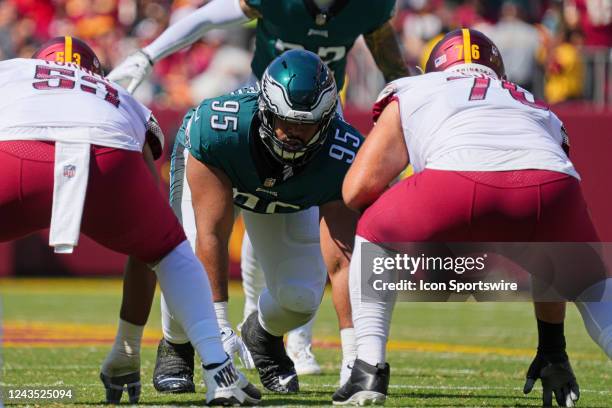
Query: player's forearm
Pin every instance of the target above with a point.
(387, 53)
(216, 14)
(212, 252)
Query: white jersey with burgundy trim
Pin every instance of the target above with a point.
(43, 100)
(467, 123)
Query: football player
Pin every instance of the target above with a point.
(490, 165)
(328, 28)
(74, 149)
(275, 154)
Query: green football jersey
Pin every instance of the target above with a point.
(289, 24)
(224, 132)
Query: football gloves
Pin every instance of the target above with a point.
(232, 344)
(557, 378)
(134, 68)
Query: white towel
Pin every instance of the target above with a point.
(70, 185)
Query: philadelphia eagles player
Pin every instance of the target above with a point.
(326, 27)
(274, 154)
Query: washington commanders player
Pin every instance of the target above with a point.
(74, 149)
(490, 165)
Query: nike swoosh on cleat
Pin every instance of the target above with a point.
(284, 381)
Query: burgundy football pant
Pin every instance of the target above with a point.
(511, 206)
(124, 210)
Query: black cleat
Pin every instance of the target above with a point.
(367, 385)
(174, 368)
(274, 366)
(116, 385)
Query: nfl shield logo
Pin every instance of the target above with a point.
(69, 171)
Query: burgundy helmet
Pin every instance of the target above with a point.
(466, 46)
(69, 49)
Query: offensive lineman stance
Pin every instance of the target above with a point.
(328, 28)
(489, 166)
(274, 153)
(71, 158)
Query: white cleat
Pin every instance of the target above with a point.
(304, 361)
(227, 386)
(364, 398)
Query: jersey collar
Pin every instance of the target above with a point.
(322, 17)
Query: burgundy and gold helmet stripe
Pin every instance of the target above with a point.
(68, 49)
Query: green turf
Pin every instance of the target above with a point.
(421, 379)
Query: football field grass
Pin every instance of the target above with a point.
(57, 332)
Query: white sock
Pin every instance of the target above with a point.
(371, 319)
(173, 331)
(124, 357)
(186, 289)
(221, 312)
(349, 344)
(597, 316)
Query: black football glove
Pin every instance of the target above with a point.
(557, 378)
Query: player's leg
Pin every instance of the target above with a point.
(26, 187)
(174, 364)
(121, 366)
(287, 248)
(429, 214)
(565, 218)
(299, 340)
(252, 276)
(342, 304)
(139, 222)
(369, 377)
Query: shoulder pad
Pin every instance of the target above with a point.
(386, 96)
(154, 137)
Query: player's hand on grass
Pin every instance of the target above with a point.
(233, 344)
(557, 378)
(134, 68)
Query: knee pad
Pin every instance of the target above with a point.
(277, 319)
(299, 299)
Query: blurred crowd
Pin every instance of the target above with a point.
(559, 49)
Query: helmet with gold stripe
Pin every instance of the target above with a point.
(69, 49)
(466, 50)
